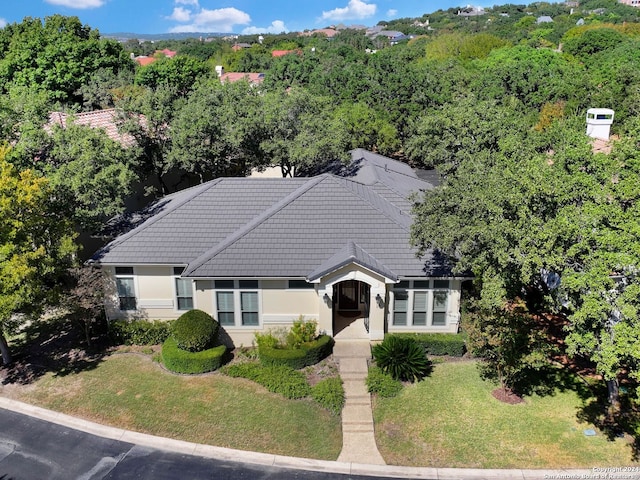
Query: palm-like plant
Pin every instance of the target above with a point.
(402, 358)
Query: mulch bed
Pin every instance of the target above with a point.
(507, 396)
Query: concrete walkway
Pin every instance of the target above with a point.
(358, 439)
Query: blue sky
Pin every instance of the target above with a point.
(237, 16)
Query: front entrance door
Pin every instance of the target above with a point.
(348, 295)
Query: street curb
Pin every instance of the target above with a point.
(280, 461)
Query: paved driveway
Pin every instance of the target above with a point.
(34, 449)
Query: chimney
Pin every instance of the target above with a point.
(219, 70)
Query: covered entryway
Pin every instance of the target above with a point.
(352, 299)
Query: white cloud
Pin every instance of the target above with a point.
(187, 2)
(180, 15)
(81, 4)
(219, 20)
(277, 26)
(355, 10)
(3, 23)
(392, 13)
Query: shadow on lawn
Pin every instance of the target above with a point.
(55, 345)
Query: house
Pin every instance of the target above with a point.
(257, 253)
(253, 78)
(282, 53)
(544, 19)
(106, 120)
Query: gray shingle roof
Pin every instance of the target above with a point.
(293, 227)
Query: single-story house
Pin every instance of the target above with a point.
(256, 253)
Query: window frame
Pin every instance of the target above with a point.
(430, 288)
(239, 288)
(177, 272)
(130, 274)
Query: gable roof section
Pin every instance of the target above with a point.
(351, 253)
(296, 236)
(184, 225)
(101, 119)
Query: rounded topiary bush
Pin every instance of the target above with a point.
(195, 331)
(182, 361)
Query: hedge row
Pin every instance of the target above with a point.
(438, 343)
(278, 379)
(182, 361)
(139, 332)
(308, 354)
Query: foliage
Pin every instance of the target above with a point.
(402, 358)
(382, 383)
(58, 56)
(438, 343)
(307, 354)
(182, 361)
(180, 73)
(302, 331)
(278, 379)
(85, 297)
(514, 349)
(139, 332)
(36, 247)
(195, 330)
(329, 393)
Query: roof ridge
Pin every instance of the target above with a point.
(196, 190)
(253, 223)
(380, 198)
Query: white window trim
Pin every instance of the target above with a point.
(237, 305)
(136, 288)
(410, 305)
(175, 291)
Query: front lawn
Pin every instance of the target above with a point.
(130, 391)
(451, 420)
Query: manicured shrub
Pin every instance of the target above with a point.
(195, 331)
(139, 332)
(307, 354)
(329, 393)
(382, 384)
(182, 361)
(278, 379)
(402, 358)
(452, 344)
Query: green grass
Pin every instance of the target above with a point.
(132, 392)
(451, 420)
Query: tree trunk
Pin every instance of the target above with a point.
(613, 397)
(4, 349)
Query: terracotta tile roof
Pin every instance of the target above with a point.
(144, 60)
(328, 32)
(282, 53)
(103, 119)
(231, 77)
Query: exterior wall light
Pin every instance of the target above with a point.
(379, 300)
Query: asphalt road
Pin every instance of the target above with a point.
(33, 449)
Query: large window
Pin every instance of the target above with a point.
(440, 302)
(184, 290)
(237, 302)
(420, 303)
(125, 284)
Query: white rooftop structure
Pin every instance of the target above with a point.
(599, 122)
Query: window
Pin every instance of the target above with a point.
(400, 303)
(420, 303)
(237, 297)
(440, 303)
(184, 290)
(300, 284)
(125, 285)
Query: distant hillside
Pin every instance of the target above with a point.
(153, 37)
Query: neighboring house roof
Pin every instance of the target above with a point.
(286, 227)
(282, 53)
(232, 77)
(144, 60)
(544, 19)
(328, 32)
(103, 119)
(167, 53)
